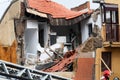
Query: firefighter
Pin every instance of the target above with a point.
(106, 75)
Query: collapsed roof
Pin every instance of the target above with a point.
(57, 13)
(64, 64)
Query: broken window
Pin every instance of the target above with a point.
(41, 37)
(110, 18)
(106, 56)
(90, 29)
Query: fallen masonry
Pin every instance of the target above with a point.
(63, 64)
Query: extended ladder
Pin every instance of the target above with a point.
(10, 71)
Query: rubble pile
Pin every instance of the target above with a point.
(91, 44)
(63, 64)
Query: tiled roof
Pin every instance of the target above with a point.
(54, 9)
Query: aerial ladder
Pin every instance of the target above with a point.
(10, 71)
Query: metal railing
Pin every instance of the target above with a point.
(12, 71)
(111, 32)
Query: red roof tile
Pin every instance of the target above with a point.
(53, 8)
(61, 65)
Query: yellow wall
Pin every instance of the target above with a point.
(7, 33)
(98, 64)
(115, 62)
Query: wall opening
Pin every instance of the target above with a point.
(41, 37)
(106, 56)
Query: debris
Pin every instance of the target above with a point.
(45, 66)
(49, 53)
(57, 54)
(64, 64)
(91, 44)
(31, 59)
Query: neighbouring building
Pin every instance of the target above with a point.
(10, 10)
(42, 23)
(108, 56)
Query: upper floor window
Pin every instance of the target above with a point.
(110, 13)
(90, 29)
(110, 18)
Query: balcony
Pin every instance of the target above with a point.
(110, 35)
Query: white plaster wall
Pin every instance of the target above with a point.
(31, 41)
(46, 33)
(84, 30)
(98, 22)
(31, 37)
(32, 24)
(84, 26)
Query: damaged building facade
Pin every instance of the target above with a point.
(91, 40)
(46, 27)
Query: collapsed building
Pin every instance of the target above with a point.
(45, 27)
(44, 33)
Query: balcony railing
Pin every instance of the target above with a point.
(111, 35)
(111, 32)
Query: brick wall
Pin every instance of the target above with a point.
(85, 69)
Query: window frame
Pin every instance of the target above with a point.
(112, 32)
(109, 7)
(90, 29)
